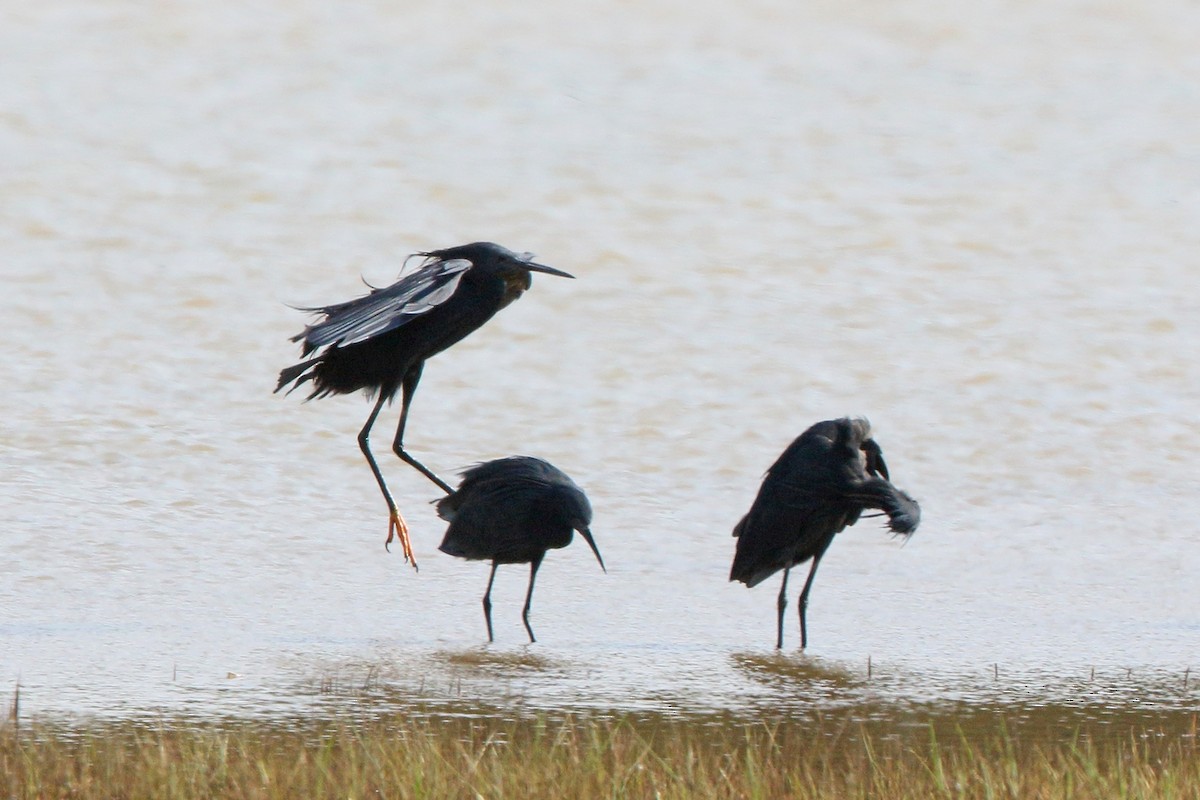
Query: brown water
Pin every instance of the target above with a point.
(976, 226)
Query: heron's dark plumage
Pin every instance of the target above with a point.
(511, 511)
(373, 341)
(819, 486)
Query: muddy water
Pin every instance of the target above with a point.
(975, 227)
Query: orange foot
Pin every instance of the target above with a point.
(398, 529)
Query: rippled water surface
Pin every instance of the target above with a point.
(975, 225)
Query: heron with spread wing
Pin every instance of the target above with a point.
(379, 342)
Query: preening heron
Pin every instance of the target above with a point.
(820, 485)
(512, 510)
(379, 342)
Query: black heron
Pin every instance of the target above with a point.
(379, 342)
(512, 510)
(821, 484)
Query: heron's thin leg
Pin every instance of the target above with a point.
(487, 603)
(804, 596)
(396, 524)
(533, 568)
(782, 603)
(411, 379)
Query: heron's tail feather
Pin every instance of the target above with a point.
(751, 574)
(747, 566)
(296, 375)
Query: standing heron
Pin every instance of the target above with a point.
(820, 485)
(379, 342)
(512, 510)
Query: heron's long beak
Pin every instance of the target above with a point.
(533, 265)
(587, 535)
(875, 463)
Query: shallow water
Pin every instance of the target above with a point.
(976, 227)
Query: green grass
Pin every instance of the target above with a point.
(1051, 752)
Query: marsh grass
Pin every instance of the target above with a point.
(959, 753)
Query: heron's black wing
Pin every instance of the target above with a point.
(817, 487)
(387, 308)
(514, 469)
(786, 525)
(802, 503)
(499, 510)
(488, 520)
(483, 479)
